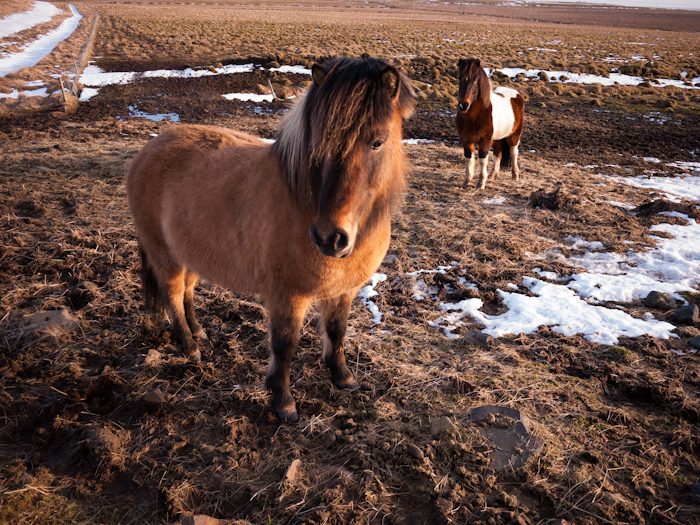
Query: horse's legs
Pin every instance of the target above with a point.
(285, 324)
(483, 162)
(334, 314)
(172, 280)
(497, 155)
(470, 154)
(196, 328)
(514, 160)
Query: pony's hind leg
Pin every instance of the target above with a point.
(173, 283)
(166, 288)
(285, 324)
(497, 155)
(196, 328)
(514, 160)
(334, 313)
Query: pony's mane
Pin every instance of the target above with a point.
(329, 118)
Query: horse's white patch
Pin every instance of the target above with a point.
(505, 92)
(502, 112)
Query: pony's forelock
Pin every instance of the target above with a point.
(330, 118)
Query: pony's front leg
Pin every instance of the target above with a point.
(483, 163)
(470, 154)
(334, 323)
(514, 160)
(285, 324)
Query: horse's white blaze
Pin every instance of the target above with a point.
(502, 112)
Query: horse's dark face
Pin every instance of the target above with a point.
(473, 83)
(348, 190)
(363, 115)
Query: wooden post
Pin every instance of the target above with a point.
(63, 90)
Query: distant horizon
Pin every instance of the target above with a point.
(691, 5)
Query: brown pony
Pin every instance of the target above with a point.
(487, 118)
(306, 219)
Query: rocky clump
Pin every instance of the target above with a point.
(509, 431)
(440, 426)
(687, 314)
(660, 300)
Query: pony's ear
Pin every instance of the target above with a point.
(477, 62)
(461, 62)
(318, 74)
(391, 81)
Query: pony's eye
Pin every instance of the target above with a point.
(377, 144)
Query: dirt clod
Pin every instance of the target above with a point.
(440, 426)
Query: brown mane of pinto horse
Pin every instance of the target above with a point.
(487, 118)
(306, 219)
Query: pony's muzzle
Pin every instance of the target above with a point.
(463, 106)
(336, 244)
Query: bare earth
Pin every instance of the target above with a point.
(86, 438)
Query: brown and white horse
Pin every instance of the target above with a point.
(486, 119)
(306, 219)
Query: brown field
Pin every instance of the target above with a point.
(81, 444)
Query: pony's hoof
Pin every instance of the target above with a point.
(201, 335)
(287, 415)
(348, 384)
(195, 358)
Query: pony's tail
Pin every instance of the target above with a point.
(505, 155)
(152, 298)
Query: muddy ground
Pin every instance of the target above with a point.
(106, 422)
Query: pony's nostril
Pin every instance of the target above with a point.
(340, 240)
(463, 106)
(313, 233)
(334, 245)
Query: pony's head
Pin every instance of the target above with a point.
(473, 84)
(340, 148)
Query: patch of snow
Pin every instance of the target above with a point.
(87, 93)
(585, 78)
(498, 201)
(555, 306)
(422, 291)
(94, 76)
(298, 70)
(41, 13)
(686, 187)
(41, 92)
(552, 276)
(577, 243)
(413, 142)
(32, 53)
(248, 97)
(369, 291)
(135, 113)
